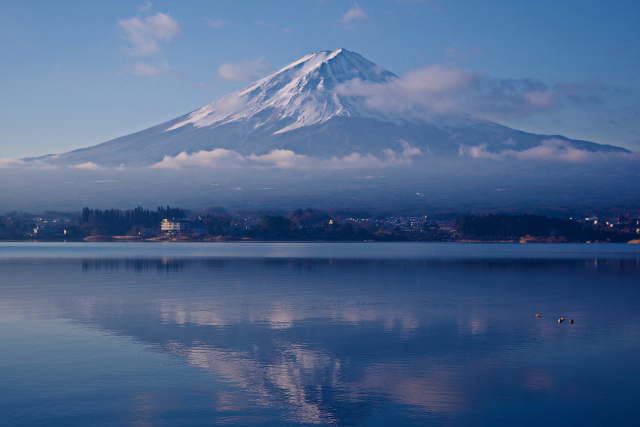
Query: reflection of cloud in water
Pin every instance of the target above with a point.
(197, 313)
(284, 381)
(287, 381)
(283, 373)
(283, 314)
(474, 324)
(144, 409)
(281, 317)
(427, 390)
(323, 340)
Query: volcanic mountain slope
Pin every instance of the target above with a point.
(301, 108)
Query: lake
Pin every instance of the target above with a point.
(319, 334)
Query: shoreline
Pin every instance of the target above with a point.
(123, 239)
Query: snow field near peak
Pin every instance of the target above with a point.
(327, 105)
(301, 94)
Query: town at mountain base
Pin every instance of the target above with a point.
(216, 224)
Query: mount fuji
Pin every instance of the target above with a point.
(306, 109)
(331, 130)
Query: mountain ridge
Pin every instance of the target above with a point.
(299, 108)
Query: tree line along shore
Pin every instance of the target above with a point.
(217, 224)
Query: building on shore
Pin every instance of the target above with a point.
(175, 225)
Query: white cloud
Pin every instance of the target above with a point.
(550, 149)
(217, 157)
(590, 92)
(218, 23)
(11, 163)
(354, 14)
(283, 159)
(87, 166)
(286, 159)
(145, 34)
(6, 163)
(440, 90)
(543, 99)
(245, 71)
(237, 72)
(145, 7)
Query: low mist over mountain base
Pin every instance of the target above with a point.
(431, 185)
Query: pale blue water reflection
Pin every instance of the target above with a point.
(395, 250)
(338, 334)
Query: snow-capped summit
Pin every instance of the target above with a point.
(304, 108)
(301, 94)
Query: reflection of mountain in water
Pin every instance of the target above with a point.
(332, 341)
(137, 265)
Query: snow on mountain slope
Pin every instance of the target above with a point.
(301, 109)
(301, 94)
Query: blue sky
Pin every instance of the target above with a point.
(75, 73)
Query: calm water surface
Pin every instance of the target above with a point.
(328, 334)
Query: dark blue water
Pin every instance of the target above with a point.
(329, 334)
